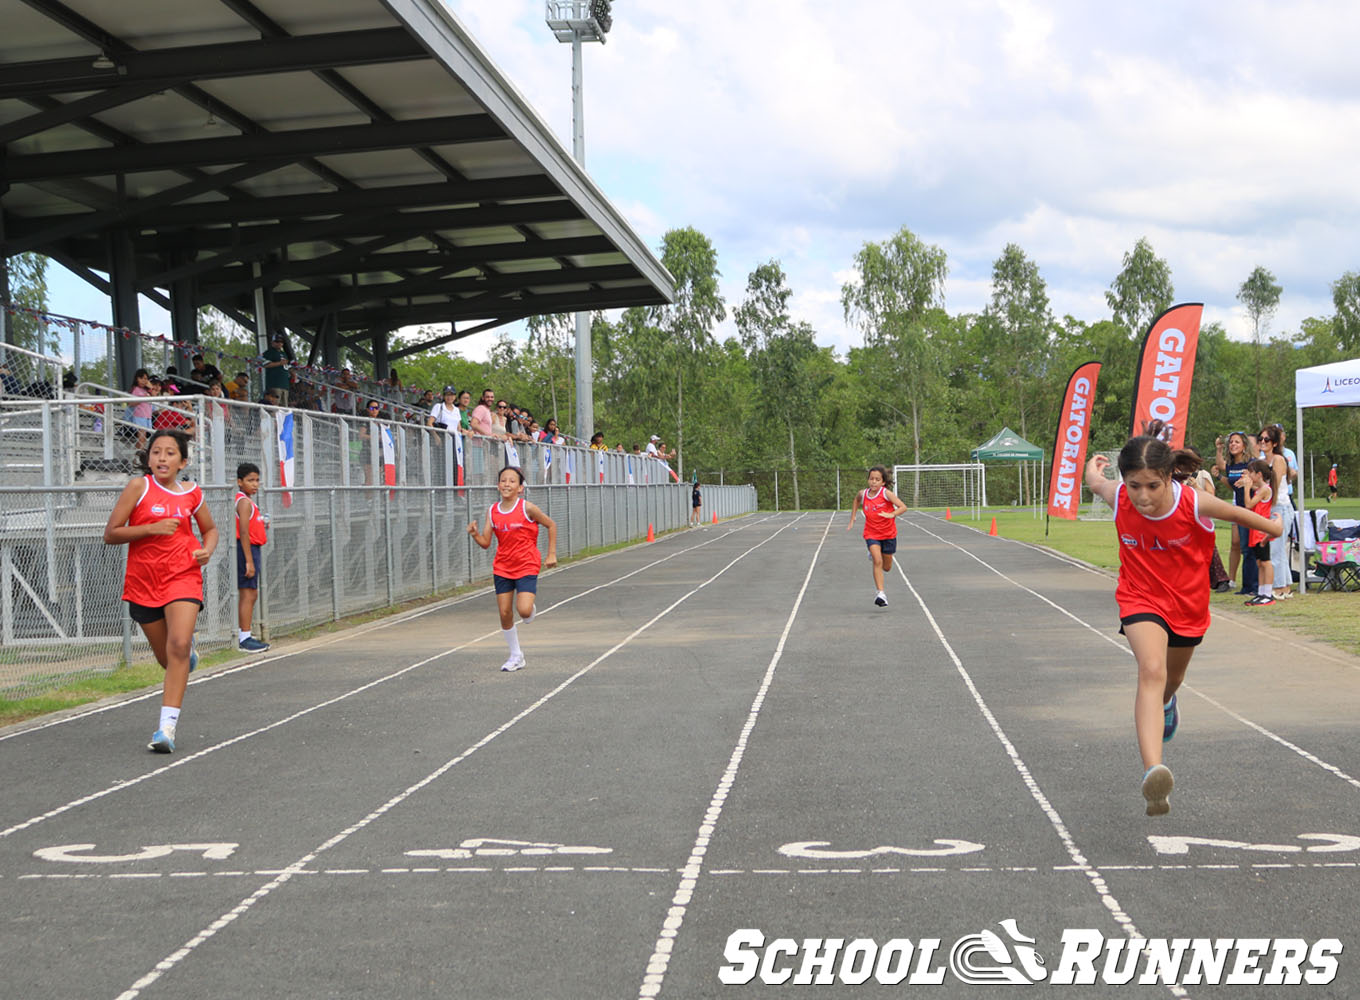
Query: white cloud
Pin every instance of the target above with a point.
(1222, 132)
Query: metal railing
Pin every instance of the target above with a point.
(361, 525)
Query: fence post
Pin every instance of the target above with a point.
(776, 491)
(337, 570)
(387, 541)
(434, 554)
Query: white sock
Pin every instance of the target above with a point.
(241, 635)
(169, 719)
(512, 640)
(1264, 590)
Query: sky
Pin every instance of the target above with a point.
(1225, 133)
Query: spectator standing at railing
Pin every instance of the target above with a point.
(345, 388)
(139, 414)
(426, 400)
(368, 432)
(550, 434)
(203, 372)
(465, 411)
(480, 422)
(216, 411)
(499, 418)
(444, 414)
(597, 442)
(237, 388)
(276, 369)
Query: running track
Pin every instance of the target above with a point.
(714, 732)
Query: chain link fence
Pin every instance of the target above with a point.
(332, 552)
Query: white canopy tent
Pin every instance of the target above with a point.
(1337, 384)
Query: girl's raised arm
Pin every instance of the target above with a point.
(1221, 510)
(1106, 489)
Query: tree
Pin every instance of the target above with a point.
(687, 324)
(1346, 299)
(897, 283)
(1020, 322)
(27, 278)
(781, 354)
(1261, 296)
(1141, 290)
(549, 336)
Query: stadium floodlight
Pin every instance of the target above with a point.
(578, 21)
(590, 20)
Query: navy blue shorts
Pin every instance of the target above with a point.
(888, 546)
(1173, 640)
(524, 584)
(242, 582)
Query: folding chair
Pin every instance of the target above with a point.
(1338, 565)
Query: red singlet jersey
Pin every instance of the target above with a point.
(878, 519)
(516, 542)
(1261, 508)
(259, 534)
(1164, 562)
(162, 568)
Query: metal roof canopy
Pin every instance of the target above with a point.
(364, 156)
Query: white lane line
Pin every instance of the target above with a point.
(1123, 648)
(655, 975)
(1349, 866)
(1093, 875)
(360, 630)
(125, 784)
(226, 919)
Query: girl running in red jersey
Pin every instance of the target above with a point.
(1166, 538)
(164, 581)
(881, 508)
(515, 569)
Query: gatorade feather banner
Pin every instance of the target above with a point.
(1166, 369)
(1069, 448)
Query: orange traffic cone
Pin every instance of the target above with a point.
(651, 535)
(715, 517)
(948, 516)
(993, 531)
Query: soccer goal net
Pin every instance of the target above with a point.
(958, 487)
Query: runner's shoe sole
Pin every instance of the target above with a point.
(1157, 784)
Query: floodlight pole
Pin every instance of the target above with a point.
(572, 21)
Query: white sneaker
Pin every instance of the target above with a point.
(514, 663)
(881, 600)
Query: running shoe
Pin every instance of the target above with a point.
(1223, 587)
(1259, 601)
(881, 600)
(1171, 720)
(193, 665)
(252, 645)
(1157, 785)
(514, 663)
(162, 741)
